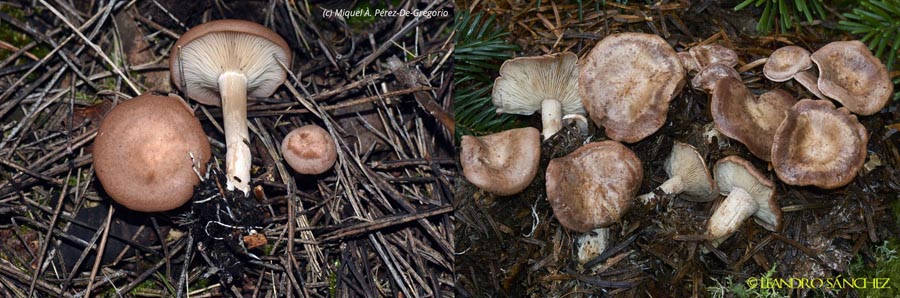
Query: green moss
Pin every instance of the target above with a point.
(12, 35)
(886, 266)
(729, 288)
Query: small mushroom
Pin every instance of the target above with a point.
(309, 150)
(688, 176)
(145, 152)
(221, 63)
(593, 186)
(626, 84)
(749, 193)
(746, 118)
(706, 79)
(699, 57)
(851, 75)
(543, 83)
(792, 62)
(819, 145)
(503, 163)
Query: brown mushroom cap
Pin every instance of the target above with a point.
(627, 82)
(785, 62)
(819, 145)
(143, 153)
(503, 163)
(746, 118)
(309, 150)
(688, 166)
(593, 186)
(851, 75)
(706, 79)
(709, 54)
(214, 47)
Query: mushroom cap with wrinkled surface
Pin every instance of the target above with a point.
(503, 163)
(206, 51)
(851, 75)
(309, 149)
(525, 82)
(735, 172)
(593, 186)
(785, 62)
(700, 57)
(746, 118)
(145, 152)
(626, 84)
(706, 79)
(819, 145)
(687, 163)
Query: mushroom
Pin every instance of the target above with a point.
(626, 84)
(706, 79)
(746, 118)
(503, 163)
(749, 193)
(688, 176)
(699, 57)
(792, 62)
(309, 150)
(145, 152)
(593, 186)
(851, 75)
(221, 63)
(819, 145)
(546, 83)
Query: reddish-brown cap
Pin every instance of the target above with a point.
(851, 75)
(593, 186)
(145, 151)
(819, 145)
(309, 150)
(627, 82)
(785, 62)
(211, 48)
(746, 118)
(503, 163)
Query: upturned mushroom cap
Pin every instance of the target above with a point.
(212, 48)
(734, 172)
(706, 79)
(593, 186)
(746, 118)
(786, 62)
(145, 151)
(503, 163)
(687, 165)
(851, 75)
(627, 82)
(309, 150)
(819, 145)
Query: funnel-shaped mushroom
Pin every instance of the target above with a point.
(792, 62)
(145, 152)
(851, 75)
(544, 83)
(309, 149)
(819, 145)
(627, 82)
(706, 79)
(503, 163)
(222, 63)
(593, 186)
(688, 176)
(746, 118)
(749, 193)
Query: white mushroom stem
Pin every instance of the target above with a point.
(551, 117)
(592, 244)
(736, 208)
(674, 185)
(233, 88)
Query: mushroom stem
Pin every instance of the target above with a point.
(233, 86)
(551, 117)
(809, 81)
(737, 207)
(674, 185)
(592, 244)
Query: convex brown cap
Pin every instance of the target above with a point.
(819, 145)
(792, 62)
(503, 163)
(593, 186)
(706, 79)
(627, 82)
(143, 153)
(746, 118)
(309, 149)
(851, 75)
(699, 57)
(749, 193)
